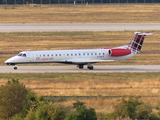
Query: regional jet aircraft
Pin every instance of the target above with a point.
(81, 57)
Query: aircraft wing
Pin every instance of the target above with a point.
(88, 61)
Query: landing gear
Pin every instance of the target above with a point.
(15, 67)
(90, 67)
(80, 66)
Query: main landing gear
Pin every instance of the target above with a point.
(89, 66)
(80, 66)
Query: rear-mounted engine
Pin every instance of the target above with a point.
(119, 52)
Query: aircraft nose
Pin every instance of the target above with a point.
(7, 61)
(10, 61)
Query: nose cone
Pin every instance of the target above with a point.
(7, 61)
(12, 61)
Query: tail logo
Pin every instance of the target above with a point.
(137, 41)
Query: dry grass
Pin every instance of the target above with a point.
(131, 13)
(92, 87)
(90, 84)
(12, 43)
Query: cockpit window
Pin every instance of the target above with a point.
(23, 55)
(20, 54)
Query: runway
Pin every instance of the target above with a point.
(74, 69)
(78, 27)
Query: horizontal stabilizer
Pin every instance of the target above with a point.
(143, 33)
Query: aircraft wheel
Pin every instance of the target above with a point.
(90, 67)
(15, 68)
(80, 66)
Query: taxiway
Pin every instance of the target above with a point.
(48, 27)
(74, 69)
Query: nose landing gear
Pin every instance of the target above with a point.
(15, 67)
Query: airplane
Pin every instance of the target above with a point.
(81, 57)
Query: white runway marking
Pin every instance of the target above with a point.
(74, 69)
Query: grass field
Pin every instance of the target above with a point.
(109, 13)
(92, 84)
(12, 43)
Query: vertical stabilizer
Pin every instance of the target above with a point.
(137, 41)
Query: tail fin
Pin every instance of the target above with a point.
(137, 41)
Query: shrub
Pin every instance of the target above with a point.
(78, 103)
(143, 111)
(46, 112)
(131, 107)
(82, 113)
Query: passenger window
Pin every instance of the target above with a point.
(43, 55)
(48, 55)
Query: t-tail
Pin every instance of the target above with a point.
(136, 43)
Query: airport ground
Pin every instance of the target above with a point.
(84, 84)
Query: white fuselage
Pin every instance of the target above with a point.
(83, 56)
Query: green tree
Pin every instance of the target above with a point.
(32, 103)
(82, 113)
(12, 99)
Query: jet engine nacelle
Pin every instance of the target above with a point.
(119, 52)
